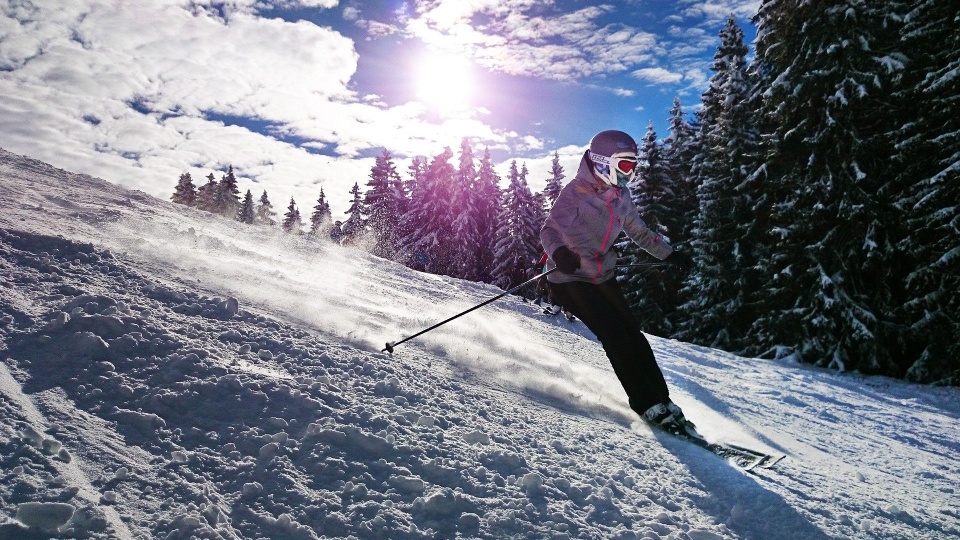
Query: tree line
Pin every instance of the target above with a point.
(223, 198)
(815, 189)
(443, 218)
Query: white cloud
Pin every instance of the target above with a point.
(657, 75)
(561, 46)
(126, 92)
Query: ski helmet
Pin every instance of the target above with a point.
(614, 157)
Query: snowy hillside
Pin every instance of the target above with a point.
(168, 374)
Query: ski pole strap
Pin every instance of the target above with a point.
(391, 345)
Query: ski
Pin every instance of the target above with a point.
(744, 458)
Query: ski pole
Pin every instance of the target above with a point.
(644, 265)
(390, 346)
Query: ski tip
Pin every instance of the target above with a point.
(388, 348)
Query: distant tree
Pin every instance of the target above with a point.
(321, 217)
(532, 217)
(246, 213)
(227, 197)
(518, 246)
(486, 206)
(207, 194)
(384, 205)
(355, 225)
(678, 151)
(555, 183)
(265, 214)
(292, 222)
(429, 222)
(466, 226)
(185, 192)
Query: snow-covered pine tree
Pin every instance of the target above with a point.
(555, 182)
(247, 214)
(265, 213)
(185, 192)
(721, 306)
(677, 152)
(354, 228)
(533, 215)
(292, 222)
(652, 291)
(384, 204)
(227, 199)
(487, 208)
(677, 156)
(429, 221)
(830, 282)
(928, 188)
(515, 249)
(321, 217)
(207, 194)
(466, 229)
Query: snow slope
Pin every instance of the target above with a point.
(167, 374)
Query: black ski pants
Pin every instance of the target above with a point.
(603, 308)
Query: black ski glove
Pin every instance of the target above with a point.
(566, 260)
(682, 261)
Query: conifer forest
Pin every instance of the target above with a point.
(816, 189)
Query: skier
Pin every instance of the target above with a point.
(518, 276)
(589, 214)
(336, 233)
(542, 291)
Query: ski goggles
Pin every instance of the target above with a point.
(622, 162)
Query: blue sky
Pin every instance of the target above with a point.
(301, 94)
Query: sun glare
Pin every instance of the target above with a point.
(445, 83)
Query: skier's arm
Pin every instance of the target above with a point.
(553, 234)
(648, 240)
(550, 236)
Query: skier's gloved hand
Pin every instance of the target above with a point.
(567, 261)
(681, 260)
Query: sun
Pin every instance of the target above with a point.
(445, 83)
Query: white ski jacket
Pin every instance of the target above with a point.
(587, 218)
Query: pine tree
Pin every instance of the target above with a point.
(207, 194)
(487, 208)
(652, 291)
(384, 204)
(321, 217)
(555, 183)
(678, 151)
(831, 290)
(428, 224)
(466, 226)
(246, 213)
(532, 217)
(185, 192)
(265, 214)
(292, 222)
(355, 225)
(227, 197)
(928, 188)
(518, 245)
(720, 311)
